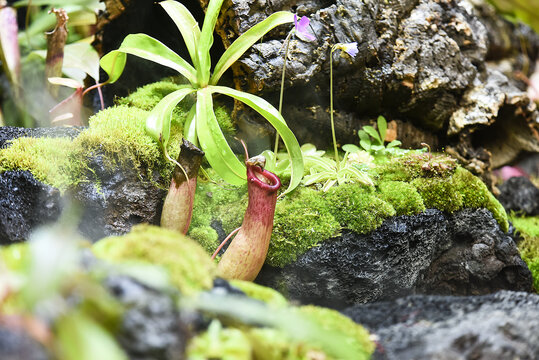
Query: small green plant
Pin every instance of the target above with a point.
(321, 169)
(201, 126)
(373, 141)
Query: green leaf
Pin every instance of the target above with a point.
(158, 121)
(246, 40)
(80, 337)
(187, 25)
(206, 41)
(372, 132)
(351, 148)
(365, 144)
(394, 143)
(363, 135)
(382, 128)
(148, 48)
(271, 114)
(211, 138)
(189, 127)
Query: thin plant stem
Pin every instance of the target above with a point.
(287, 42)
(331, 106)
(224, 242)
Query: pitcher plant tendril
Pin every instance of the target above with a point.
(247, 252)
(178, 205)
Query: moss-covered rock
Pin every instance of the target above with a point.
(116, 134)
(404, 186)
(528, 227)
(188, 265)
(402, 196)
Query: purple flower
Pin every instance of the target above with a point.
(349, 48)
(301, 28)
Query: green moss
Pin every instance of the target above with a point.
(475, 194)
(147, 97)
(439, 193)
(219, 343)
(188, 265)
(402, 196)
(262, 293)
(528, 227)
(302, 220)
(357, 209)
(118, 133)
(224, 204)
(357, 338)
(50, 160)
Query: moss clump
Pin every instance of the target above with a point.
(475, 195)
(528, 227)
(188, 265)
(50, 160)
(357, 338)
(402, 196)
(219, 343)
(439, 194)
(220, 203)
(147, 97)
(119, 133)
(357, 209)
(262, 293)
(302, 220)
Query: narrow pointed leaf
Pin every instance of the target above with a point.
(213, 142)
(158, 121)
(189, 127)
(148, 48)
(271, 114)
(382, 128)
(246, 40)
(206, 41)
(187, 25)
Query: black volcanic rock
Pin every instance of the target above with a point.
(521, 195)
(432, 253)
(112, 201)
(25, 203)
(498, 326)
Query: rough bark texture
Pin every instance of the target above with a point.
(520, 194)
(431, 253)
(501, 326)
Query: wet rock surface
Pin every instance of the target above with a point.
(25, 204)
(500, 326)
(117, 200)
(151, 327)
(521, 195)
(111, 202)
(431, 253)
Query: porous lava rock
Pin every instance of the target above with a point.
(151, 327)
(464, 253)
(25, 204)
(521, 195)
(111, 202)
(499, 326)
